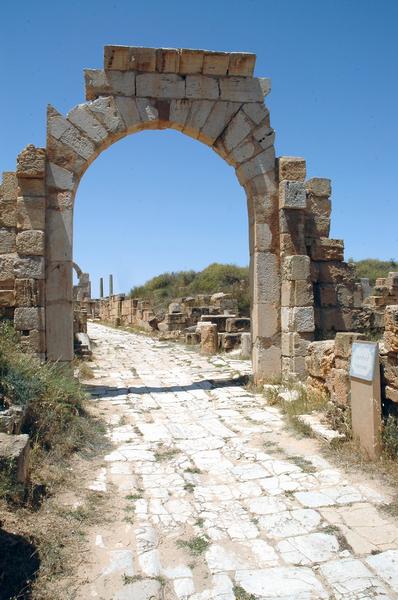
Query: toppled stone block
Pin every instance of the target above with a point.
(237, 324)
(192, 338)
(292, 168)
(228, 341)
(14, 457)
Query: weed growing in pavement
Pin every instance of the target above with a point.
(196, 545)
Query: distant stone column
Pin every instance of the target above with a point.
(101, 287)
(110, 285)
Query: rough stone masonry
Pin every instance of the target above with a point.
(300, 284)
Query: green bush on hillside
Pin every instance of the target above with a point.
(372, 268)
(217, 277)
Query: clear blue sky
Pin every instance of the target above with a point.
(161, 201)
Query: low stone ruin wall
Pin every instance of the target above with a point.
(328, 364)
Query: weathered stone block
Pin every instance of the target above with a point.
(292, 195)
(217, 121)
(295, 344)
(29, 318)
(9, 187)
(7, 240)
(327, 294)
(167, 60)
(209, 339)
(103, 83)
(86, 122)
(262, 237)
(105, 110)
(240, 89)
(320, 359)
(29, 268)
(238, 128)
(191, 61)
(29, 292)
(325, 249)
(391, 328)
(62, 130)
(241, 64)
(128, 110)
(160, 85)
(266, 278)
(262, 164)
(7, 262)
(318, 216)
(292, 168)
(319, 187)
(296, 267)
(333, 272)
(31, 162)
(31, 213)
(343, 343)
(200, 87)
(302, 319)
(60, 227)
(297, 293)
(7, 213)
(14, 456)
(237, 324)
(59, 178)
(258, 113)
(198, 115)
(7, 298)
(391, 393)
(339, 385)
(246, 345)
(31, 243)
(129, 58)
(35, 341)
(215, 63)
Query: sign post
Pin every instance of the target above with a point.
(366, 396)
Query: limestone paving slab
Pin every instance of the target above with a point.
(193, 462)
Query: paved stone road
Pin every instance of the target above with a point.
(211, 496)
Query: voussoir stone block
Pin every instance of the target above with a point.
(292, 195)
(81, 117)
(62, 130)
(59, 178)
(29, 318)
(218, 119)
(7, 240)
(238, 128)
(31, 162)
(261, 164)
(160, 85)
(240, 89)
(296, 267)
(105, 110)
(31, 242)
(258, 112)
(292, 168)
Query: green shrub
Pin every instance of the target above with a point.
(372, 268)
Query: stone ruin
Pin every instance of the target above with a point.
(184, 319)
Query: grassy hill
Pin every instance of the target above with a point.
(162, 289)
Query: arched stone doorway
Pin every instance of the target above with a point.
(299, 280)
(209, 96)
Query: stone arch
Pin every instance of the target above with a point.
(209, 96)
(299, 281)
